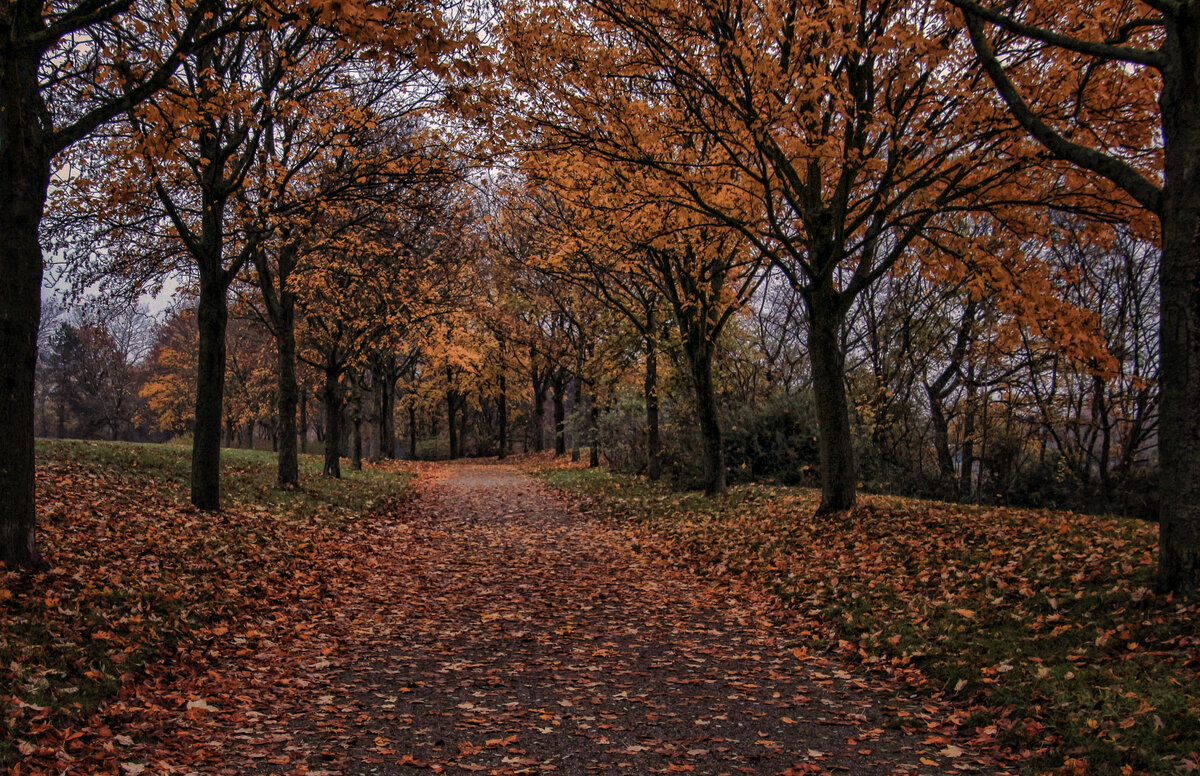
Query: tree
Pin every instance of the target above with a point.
(95, 371)
(164, 187)
(1124, 111)
(601, 260)
(343, 129)
(606, 226)
(59, 70)
(200, 140)
(384, 273)
(835, 138)
(170, 369)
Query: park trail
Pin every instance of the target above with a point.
(486, 626)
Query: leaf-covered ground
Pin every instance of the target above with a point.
(482, 626)
(502, 633)
(120, 646)
(1042, 625)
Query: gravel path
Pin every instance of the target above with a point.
(497, 631)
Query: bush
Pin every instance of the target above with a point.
(435, 449)
(775, 441)
(622, 431)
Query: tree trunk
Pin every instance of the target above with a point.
(24, 177)
(356, 420)
(835, 448)
(941, 435)
(385, 387)
(1100, 413)
(560, 414)
(502, 413)
(539, 414)
(966, 474)
(593, 434)
(375, 448)
(303, 421)
(412, 433)
(462, 425)
(451, 408)
(577, 410)
(288, 391)
(650, 391)
(700, 365)
(212, 314)
(1179, 281)
(332, 396)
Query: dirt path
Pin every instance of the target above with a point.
(494, 630)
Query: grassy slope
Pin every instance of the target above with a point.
(137, 572)
(1042, 624)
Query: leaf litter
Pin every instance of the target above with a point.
(483, 626)
(498, 631)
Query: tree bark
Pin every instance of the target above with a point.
(451, 408)
(1179, 280)
(700, 365)
(462, 425)
(385, 386)
(303, 421)
(539, 404)
(356, 420)
(941, 434)
(332, 396)
(502, 413)
(593, 433)
(576, 452)
(558, 387)
(288, 390)
(834, 444)
(941, 387)
(650, 391)
(212, 316)
(412, 433)
(24, 178)
(539, 421)
(966, 474)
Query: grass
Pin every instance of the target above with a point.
(247, 476)
(1041, 624)
(137, 574)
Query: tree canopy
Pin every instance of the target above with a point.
(942, 247)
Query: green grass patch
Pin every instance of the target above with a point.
(247, 476)
(1042, 624)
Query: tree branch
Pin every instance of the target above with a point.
(1147, 194)
(1090, 48)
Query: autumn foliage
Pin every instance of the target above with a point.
(889, 250)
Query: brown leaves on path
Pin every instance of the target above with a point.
(488, 628)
